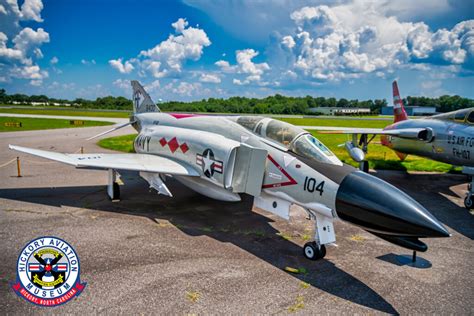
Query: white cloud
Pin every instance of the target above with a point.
(56, 86)
(33, 73)
(244, 60)
(36, 83)
(122, 84)
(31, 10)
(186, 88)
(237, 82)
(225, 66)
(430, 84)
(288, 41)
(54, 60)
(124, 68)
(153, 86)
(167, 58)
(88, 62)
(19, 47)
(154, 67)
(255, 21)
(38, 53)
(125, 86)
(334, 43)
(246, 66)
(173, 52)
(432, 88)
(180, 25)
(291, 74)
(210, 78)
(8, 53)
(29, 38)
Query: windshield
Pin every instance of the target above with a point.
(310, 147)
(282, 132)
(458, 115)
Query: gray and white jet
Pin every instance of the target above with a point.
(447, 137)
(279, 164)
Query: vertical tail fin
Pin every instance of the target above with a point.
(398, 109)
(142, 101)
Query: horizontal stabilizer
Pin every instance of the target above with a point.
(111, 130)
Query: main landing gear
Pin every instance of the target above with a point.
(364, 166)
(469, 199)
(313, 251)
(113, 189)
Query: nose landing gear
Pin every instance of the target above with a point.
(324, 234)
(313, 251)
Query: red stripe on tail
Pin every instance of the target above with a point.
(398, 109)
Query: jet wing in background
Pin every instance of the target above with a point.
(409, 133)
(134, 162)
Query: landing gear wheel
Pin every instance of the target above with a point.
(468, 202)
(364, 166)
(313, 252)
(116, 191)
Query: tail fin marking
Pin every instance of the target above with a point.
(398, 109)
(142, 101)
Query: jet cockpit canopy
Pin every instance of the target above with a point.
(289, 136)
(459, 116)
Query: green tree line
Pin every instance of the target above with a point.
(276, 104)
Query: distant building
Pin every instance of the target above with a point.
(41, 103)
(411, 110)
(340, 111)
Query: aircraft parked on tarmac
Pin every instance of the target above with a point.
(278, 163)
(447, 137)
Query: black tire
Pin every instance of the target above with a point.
(116, 189)
(468, 202)
(365, 166)
(312, 252)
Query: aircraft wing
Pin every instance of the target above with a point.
(135, 162)
(410, 133)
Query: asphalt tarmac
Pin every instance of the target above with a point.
(150, 254)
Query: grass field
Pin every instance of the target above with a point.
(29, 124)
(65, 112)
(381, 157)
(323, 121)
(120, 143)
(337, 122)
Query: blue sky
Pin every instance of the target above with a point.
(189, 50)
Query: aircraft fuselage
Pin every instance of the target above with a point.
(326, 189)
(453, 143)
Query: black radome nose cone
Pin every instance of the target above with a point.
(379, 207)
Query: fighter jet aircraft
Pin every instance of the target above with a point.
(447, 137)
(277, 163)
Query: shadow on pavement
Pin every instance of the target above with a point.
(196, 215)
